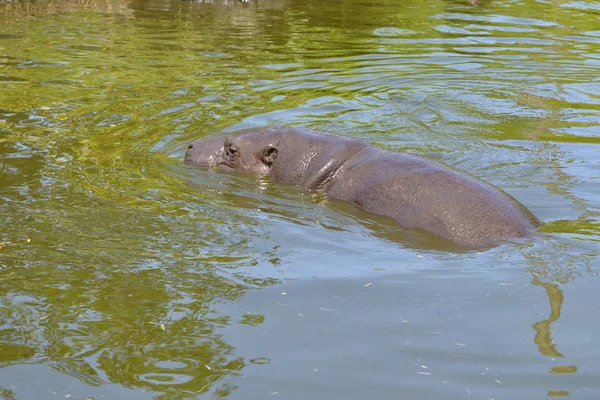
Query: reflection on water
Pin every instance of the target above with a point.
(125, 274)
(565, 267)
(542, 328)
(543, 334)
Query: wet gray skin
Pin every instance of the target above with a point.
(415, 191)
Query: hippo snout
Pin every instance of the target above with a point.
(206, 152)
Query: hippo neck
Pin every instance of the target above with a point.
(313, 159)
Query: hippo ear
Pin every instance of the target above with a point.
(268, 154)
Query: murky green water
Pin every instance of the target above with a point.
(124, 274)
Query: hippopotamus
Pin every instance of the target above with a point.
(415, 191)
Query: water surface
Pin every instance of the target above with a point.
(125, 274)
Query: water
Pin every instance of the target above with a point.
(125, 274)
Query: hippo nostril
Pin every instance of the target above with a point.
(190, 146)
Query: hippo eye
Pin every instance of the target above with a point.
(231, 151)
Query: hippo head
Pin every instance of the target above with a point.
(249, 151)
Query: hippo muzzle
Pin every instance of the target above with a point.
(206, 152)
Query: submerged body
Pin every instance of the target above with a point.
(415, 191)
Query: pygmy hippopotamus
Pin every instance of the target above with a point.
(415, 191)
